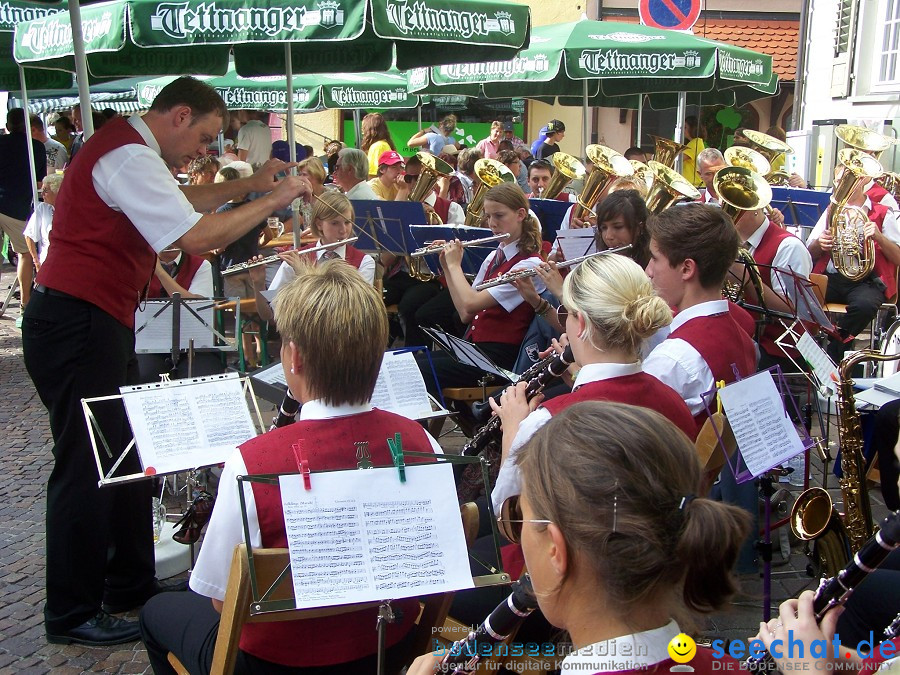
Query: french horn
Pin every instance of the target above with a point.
(491, 173)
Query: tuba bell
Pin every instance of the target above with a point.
(433, 169)
(770, 148)
(666, 150)
(872, 143)
(490, 172)
(668, 188)
(741, 190)
(608, 165)
(566, 168)
(642, 172)
(852, 254)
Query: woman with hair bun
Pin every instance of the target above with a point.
(617, 545)
(609, 308)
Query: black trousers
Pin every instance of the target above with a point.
(884, 438)
(451, 373)
(409, 295)
(437, 311)
(863, 298)
(99, 540)
(186, 624)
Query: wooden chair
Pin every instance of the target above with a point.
(269, 565)
(466, 396)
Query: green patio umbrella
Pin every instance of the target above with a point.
(13, 12)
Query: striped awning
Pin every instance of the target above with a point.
(121, 102)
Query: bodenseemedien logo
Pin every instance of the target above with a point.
(418, 17)
(682, 649)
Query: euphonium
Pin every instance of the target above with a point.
(852, 254)
(433, 169)
(741, 190)
(813, 518)
(566, 169)
(770, 148)
(669, 187)
(608, 165)
(490, 172)
(642, 172)
(890, 181)
(666, 150)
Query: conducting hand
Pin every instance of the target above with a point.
(288, 189)
(264, 178)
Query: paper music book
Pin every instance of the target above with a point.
(153, 325)
(400, 388)
(578, 242)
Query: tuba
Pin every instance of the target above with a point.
(813, 517)
(490, 172)
(669, 187)
(770, 148)
(852, 254)
(433, 169)
(566, 168)
(608, 165)
(741, 190)
(666, 150)
(872, 143)
(642, 172)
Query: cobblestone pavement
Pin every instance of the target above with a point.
(25, 463)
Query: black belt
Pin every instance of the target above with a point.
(40, 288)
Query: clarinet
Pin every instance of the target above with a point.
(287, 411)
(835, 591)
(481, 410)
(464, 655)
(554, 368)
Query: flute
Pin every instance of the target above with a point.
(240, 267)
(509, 277)
(437, 248)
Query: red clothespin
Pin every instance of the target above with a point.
(302, 463)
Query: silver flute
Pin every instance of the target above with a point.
(509, 277)
(240, 267)
(432, 249)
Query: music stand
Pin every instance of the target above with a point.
(468, 354)
(384, 226)
(551, 213)
(802, 208)
(473, 256)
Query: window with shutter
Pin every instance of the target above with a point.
(844, 33)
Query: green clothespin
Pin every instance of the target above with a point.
(396, 447)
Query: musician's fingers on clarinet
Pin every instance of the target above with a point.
(427, 664)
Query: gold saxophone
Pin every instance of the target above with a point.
(813, 517)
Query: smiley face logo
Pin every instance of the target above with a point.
(682, 648)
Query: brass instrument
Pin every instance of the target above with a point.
(668, 188)
(770, 148)
(244, 266)
(741, 190)
(490, 172)
(734, 291)
(890, 181)
(608, 165)
(852, 254)
(642, 172)
(860, 138)
(509, 277)
(753, 160)
(433, 169)
(666, 150)
(813, 517)
(433, 249)
(566, 168)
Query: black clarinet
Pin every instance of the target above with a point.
(481, 410)
(553, 368)
(287, 411)
(464, 655)
(835, 591)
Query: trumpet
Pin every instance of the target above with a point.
(432, 249)
(268, 260)
(509, 277)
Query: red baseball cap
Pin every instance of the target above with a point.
(390, 158)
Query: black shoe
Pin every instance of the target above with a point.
(100, 631)
(118, 606)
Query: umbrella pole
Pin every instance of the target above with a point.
(640, 121)
(679, 129)
(584, 115)
(292, 145)
(34, 192)
(84, 94)
(357, 126)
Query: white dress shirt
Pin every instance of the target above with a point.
(286, 274)
(506, 295)
(362, 190)
(628, 652)
(889, 228)
(792, 256)
(202, 283)
(210, 575)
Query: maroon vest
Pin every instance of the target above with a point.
(721, 343)
(97, 254)
(639, 389)
(187, 269)
(329, 445)
(876, 193)
(495, 324)
(764, 255)
(353, 255)
(744, 319)
(884, 268)
(442, 208)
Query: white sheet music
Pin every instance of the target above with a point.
(273, 375)
(764, 432)
(578, 242)
(187, 423)
(153, 326)
(362, 535)
(823, 367)
(400, 388)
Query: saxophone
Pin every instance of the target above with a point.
(813, 517)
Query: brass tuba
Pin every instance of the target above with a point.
(741, 190)
(433, 169)
(566, 169)
(669, 187)
(490, 172)
(753, 160)
(872, 143)
(642, 172)
(666, 150)
(852, 254)
(770, 148)
(608, 165)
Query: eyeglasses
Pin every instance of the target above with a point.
(562, 314)
(511, 528)
(409, 178)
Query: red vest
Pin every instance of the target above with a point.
(495, 324)
(884, 268)
(744, 319)
(442, 208)
(764, 255)
(353, 256)
(721, 343)
(97, 254)
(329, 445)
(876, 193)
(187, 268)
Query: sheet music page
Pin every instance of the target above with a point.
(765, 435)
(400, 388)
(153, 326)
(578, 242)
(362, 535)
(273, 375)
(823, 367)
(888, 385)
(187, 423)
